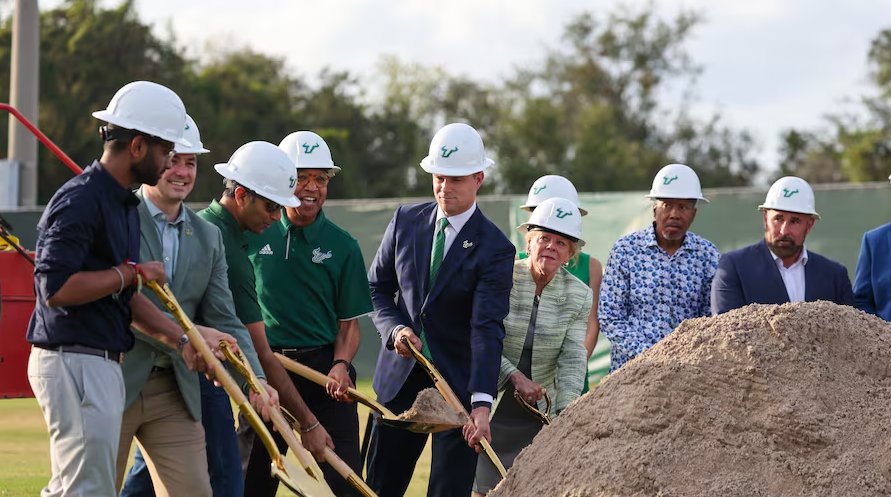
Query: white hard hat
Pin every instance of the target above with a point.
(308, 150)
(191, 134)
(558, 215)
(147, 107)
(551, 186)
(265, 169)
(676, 181)
(456, 150)
(791, 194)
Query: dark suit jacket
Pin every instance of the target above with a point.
(872, 280)
(462, 313)
(750, 276)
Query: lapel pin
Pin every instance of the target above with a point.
(188, 231)
(467, 244)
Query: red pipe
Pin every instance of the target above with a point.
(43, 138)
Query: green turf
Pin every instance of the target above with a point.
(24, 450)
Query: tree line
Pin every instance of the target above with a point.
(590, 109)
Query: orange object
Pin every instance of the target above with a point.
(16, 306)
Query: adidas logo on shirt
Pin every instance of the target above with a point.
(266, 250)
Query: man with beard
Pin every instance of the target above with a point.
(658, 276)
(779, 268)
(87, 277)
(312, 288)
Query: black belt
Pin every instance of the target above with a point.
(83, 349)
(290, 352)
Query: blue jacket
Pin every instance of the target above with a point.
(462, 313)
(750, 276)
(872, 280)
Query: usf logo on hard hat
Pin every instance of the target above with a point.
(787, 193)
(448, 152)
(676, 181)
(790, 194)
(308, 151)
(667, 181)
(538, 189)
(551, 186)
(557, 215)
(307, 148)
(456, 150)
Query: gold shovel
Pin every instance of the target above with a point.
(387, 417)
(452, 399)
(544, 417)
(298, 481)
(284, 428)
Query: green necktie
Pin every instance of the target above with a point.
(438, 251)
(435, 263)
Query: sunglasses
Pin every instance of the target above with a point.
(270, 206)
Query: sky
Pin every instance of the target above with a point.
(768, 65)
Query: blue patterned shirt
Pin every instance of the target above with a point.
(646, 293)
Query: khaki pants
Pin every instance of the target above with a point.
(82, 399)
(171, 441)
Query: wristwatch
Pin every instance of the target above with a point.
(183, 340)
(339, 361)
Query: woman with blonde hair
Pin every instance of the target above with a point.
(544, 341)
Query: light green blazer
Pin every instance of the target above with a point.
(559, 344)
(201, 286)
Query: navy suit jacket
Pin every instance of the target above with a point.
(872, 280)
(750, 276)
(461, 314)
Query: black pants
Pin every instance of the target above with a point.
(339, 418)
(393, 452)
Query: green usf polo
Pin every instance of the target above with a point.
(308, 280)
(241, 273)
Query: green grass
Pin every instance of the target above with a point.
(24, 450)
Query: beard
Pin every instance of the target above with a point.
(784, 247)
(147, 171)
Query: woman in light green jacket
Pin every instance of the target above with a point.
(545, 334)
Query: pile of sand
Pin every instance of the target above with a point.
(791, 400)
(431, 407)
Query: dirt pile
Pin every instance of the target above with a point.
(430, 407)
(791, 400)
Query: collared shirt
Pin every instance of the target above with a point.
(646, 293)
(241, 273)
(309, 279)
(168, 233)
(793, 276)
(90, 224)
(455, 224)
(580, 266)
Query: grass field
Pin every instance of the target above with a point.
(24, 450)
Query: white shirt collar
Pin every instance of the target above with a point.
(802, 259)
(457, 221)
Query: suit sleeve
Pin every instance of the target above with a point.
(727, 293)
(216, 308)
(571, 365)
(384, 284)
(863, 294)
(491, 302)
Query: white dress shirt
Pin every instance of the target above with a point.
(793, 276)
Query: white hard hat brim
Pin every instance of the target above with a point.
(190, 150)
(333, 169)
(526, 227)
(427, 165)
(530, 208)
(654, 197)
(764, 207)
(224, 171)
(104, 115)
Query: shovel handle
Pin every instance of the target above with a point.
(452, 399)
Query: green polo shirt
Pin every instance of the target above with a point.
(241, 273)
(308, 279)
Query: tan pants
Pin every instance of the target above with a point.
(171, 441)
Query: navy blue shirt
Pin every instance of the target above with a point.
(90, 224)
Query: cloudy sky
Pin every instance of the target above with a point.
(768, 64)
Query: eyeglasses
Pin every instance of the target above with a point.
(318, 179)
(270, 206)
(167, 147)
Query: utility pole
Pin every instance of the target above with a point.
(23, 95)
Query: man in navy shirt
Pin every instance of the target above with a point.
(86, 280)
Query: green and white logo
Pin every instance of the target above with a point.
(447, 152)
(538, 189)
(561, 213)
(788, 193)
(293, 181)
(667, 181)
(307, 148)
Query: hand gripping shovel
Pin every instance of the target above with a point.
(283, 427)
(298, 481)
(452, 399)
(387, 417)
(544, 417)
